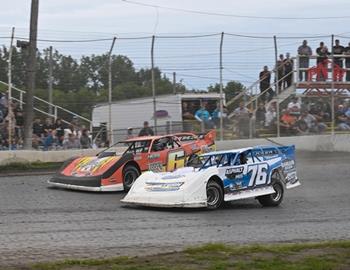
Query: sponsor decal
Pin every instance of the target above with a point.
(288, 164)
(137, 157)
(153, 156)
(155, 167)
(233, 173)
(90, 165)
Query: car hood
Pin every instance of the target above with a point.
(89, 166)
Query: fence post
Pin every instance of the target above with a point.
(221, 91)
(110, 137)
(21, 99)
(277, 88)
(55, 113)
(9, 98)
(153, 87)
(50, 80)
(332, 87)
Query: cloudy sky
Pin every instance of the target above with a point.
(85, 19)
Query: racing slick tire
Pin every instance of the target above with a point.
(130, 174)
(273, 199)
(215, 195)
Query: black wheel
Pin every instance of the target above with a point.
(215, 195)
(130, 173)
(273, 199)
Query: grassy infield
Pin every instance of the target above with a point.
(300, 256)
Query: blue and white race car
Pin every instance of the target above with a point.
(261, 172)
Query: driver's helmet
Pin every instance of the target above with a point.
(243, 158)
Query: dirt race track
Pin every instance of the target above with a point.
(41, 224)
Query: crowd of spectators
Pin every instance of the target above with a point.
(284, 67)
(47, 135)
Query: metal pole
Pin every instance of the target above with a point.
(174, 83)
(31, 71)
(221, 90)
(50, 81)
(153, 87)
(332, 88)
(277, 88)
(9, 98)
(110, 137)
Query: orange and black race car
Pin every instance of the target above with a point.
(113, 171)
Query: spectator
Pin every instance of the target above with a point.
(260, 115)
(288, 123)
(270, 118)
(146, 130)
(48, 125)
(294, 106)
(203, 116)
(311, 122)
(288, 71)
(72, 142)
(85, 140)
(322, 53)
(129, 133)
(38, 128)
(59, 127)
(265, 81)
(242, 119)
(49, 139)
(187, 112)
(347, 62)
(304, 52)
(216, 115)
(338, 49)
(19, 124)
(342, 120)
(280, 72)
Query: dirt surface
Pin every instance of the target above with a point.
(41, 224)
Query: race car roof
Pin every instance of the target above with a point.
(239, 150)
(144, 138)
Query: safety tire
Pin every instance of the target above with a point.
(215, 195)
(130, 174)
(274, 199)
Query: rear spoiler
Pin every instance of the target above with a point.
(209, 136)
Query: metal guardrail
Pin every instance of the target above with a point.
(56, 107)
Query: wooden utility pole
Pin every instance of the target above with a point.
(31, 70)
(9, 98)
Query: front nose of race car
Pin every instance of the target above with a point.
(151, 190)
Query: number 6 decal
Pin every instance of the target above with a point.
(176, 160)
(259, 174)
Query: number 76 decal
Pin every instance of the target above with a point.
(259, 174)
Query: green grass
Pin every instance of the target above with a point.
(217, 256)
(34, 166)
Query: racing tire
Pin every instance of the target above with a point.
(130, 174)
(215, 195)
(274, 199)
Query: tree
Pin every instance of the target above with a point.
(231, 89)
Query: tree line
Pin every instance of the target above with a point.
(81, 83)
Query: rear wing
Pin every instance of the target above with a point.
(210, 136)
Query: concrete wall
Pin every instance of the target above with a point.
(339, 142)
(308, 143)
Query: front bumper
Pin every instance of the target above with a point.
(89, 183)
(168, 199)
